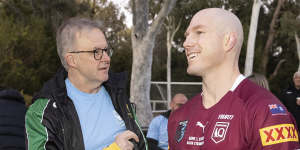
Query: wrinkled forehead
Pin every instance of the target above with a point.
(89, 38)
(92, 34)
(179, 99)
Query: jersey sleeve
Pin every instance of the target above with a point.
(38, 136)
(272, 126)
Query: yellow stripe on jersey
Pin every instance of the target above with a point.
(278, 134)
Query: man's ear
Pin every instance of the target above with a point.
(70, 59)
(230, 40)
(171, 104)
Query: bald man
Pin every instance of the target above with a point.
(231, 112)
(291, 97)
(157, 135)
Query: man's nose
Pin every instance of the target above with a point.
(105, 57)
(187, 42)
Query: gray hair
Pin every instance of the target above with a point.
(65, 35)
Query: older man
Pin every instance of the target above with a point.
(231, 112)
(157, 134)
(291, 97)
(83, 106)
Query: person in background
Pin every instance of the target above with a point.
(291, 97)
(12, 119)
(231, 112)
(260, 80)
(84, 106)
(157, 134)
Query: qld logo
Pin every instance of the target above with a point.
(180, 130)
(220, 130)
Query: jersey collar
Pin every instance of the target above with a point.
(237, 81)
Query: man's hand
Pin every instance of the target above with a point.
(122, 140)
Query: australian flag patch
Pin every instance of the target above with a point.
(180, 130)
(276, 109)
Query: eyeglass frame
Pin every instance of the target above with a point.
(96, 50)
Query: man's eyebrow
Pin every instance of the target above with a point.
(194, 28)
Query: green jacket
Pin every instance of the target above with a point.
(52, 122)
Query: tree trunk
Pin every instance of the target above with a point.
(298, 48)
(251, 38)
(143, 38)
(171, 31)
(265, 56)
(274, 74)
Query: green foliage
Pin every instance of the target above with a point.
(28, 47)
(27, 38)
(122, 57)
(26, 51)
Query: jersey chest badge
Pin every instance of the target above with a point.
(219, 132)
(180, 130)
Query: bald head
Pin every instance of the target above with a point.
(223, 22)
(296, 79)
(213, 42)
(297, 74)
(177, 101)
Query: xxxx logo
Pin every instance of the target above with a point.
(278, 134)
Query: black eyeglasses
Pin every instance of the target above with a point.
(98, 52)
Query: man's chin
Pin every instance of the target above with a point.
(105, 78)
(192, 71)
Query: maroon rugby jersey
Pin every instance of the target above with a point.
(247, 118)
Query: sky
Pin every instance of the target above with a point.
(122, 4)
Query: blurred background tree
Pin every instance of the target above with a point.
(27, 38)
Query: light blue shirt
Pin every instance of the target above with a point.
(158, 130)
(99, 121)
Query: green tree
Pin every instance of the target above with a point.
(27, 37)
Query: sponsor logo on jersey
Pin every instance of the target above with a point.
(277, 109)
(196, 141)
(225, 116)
(199, 124)
(180, 130)
(220, 130)
(278, 134)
